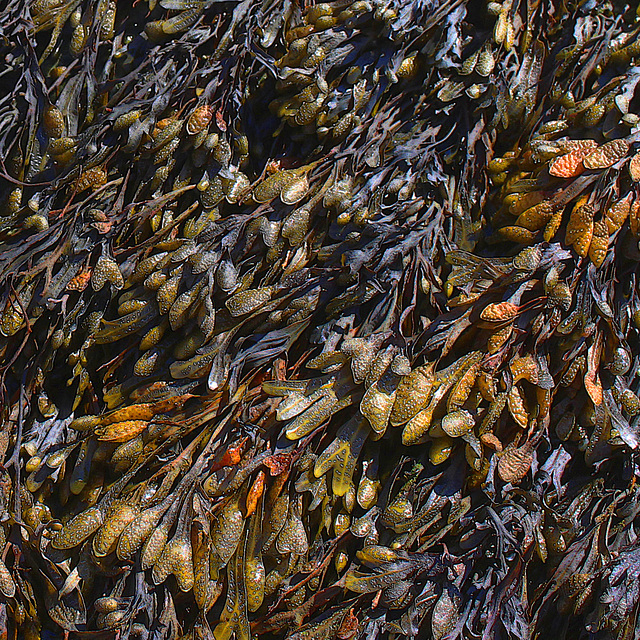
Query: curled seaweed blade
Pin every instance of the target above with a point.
(342, 454)
(386, 575)
(313, 416)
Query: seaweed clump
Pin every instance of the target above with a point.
(319, 321)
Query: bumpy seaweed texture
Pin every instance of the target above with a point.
(319, 320)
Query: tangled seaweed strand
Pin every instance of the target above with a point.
(319, 321)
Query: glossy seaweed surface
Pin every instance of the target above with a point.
(319, 320)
